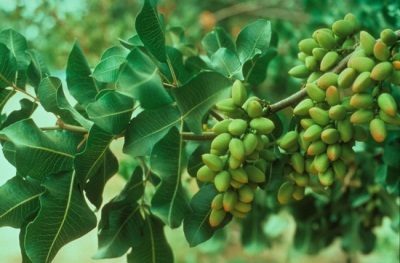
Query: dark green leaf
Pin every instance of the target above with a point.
(27, 109)
(278, 131)
(9, 152)
(150, 28)
(8, 68)
(147, 128)
(196, 225)
(17, 44)
(95, 187)
(179, 70)
(5, 95)
(216, 39)
(19, 197)
(37, 69)
(111, 112)
(131, 42)
(52, 98)
(41, 153)
(139, 79)
(253, 238)
(108, 68)
(28, 219)
(195, 65)
(255, 69)
(253, 39)
(81, 85)
(154, 247)
(88, 162)
(195, 161)
(169, 203)
(199, 95)
(64, 216)
(121, 222)
(391, 151)
(227, 63)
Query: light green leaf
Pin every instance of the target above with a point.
(40, 154)
(196, 224)
(19, 197)
(139, 79)
(121, 221)
(169, 203)
(227, 63)
(87, 163)
(150, 28)
(81, 85)
(111, 112)
(132, 42)
(154, 247)
(27, 109)
(37, 69)
(253, 39)
(5, 95)
(108, 68)
(8, 68)
(64, 216)
(147, 128)
(216, 39)
(199, 95)
(52, 98)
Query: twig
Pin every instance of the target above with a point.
(66, 127)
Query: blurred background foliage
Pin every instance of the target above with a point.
(51, 26)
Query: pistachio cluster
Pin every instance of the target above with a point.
(339, 105)
(239, 156)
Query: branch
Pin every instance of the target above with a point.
(205, 136)
(66, 127)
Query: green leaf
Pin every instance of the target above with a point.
(108, 68)
(195, 161)
(227, 63)
(52, 98)
(8, 68)
(40, 154)
(28, 219)
(111, 112)
(37, 69)
(216, 39)
(121, 221)
(5, 95)
(154, 247)
(169, 202)
(147, 128)
(64, 216)
(196, 226)
(391, 151)
(195, 65)
(81, 85)
(17, 44)
(139, 79)
(179, 70)
(9, 152)
(131, 42)
(150, 28)
(95, 187)
(255, 69)
(88, 162)
(252, 237)
(253, 39)
(19, 197)
(199, 95)
(27, 109)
